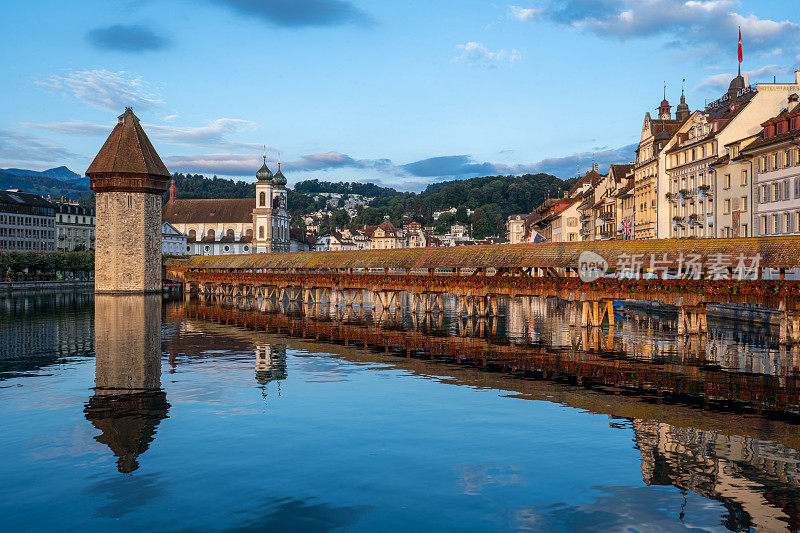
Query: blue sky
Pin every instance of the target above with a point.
(402, 93)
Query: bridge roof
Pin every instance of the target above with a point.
(773, 252)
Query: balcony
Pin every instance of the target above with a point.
(605, 215)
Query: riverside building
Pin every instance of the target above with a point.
(650, 212)
(27, 223)
(775, 161)
(710, 190)
(74, 227)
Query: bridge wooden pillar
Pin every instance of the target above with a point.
(594, 313)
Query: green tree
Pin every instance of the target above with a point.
(461, 214)
(444, 222)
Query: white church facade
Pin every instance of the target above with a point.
(239, 225)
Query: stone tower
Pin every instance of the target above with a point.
(128, 179)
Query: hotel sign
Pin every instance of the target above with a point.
(726, 98)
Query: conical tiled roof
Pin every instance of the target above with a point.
(127, 151)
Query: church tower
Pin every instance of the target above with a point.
(262, 214)
(128, 179)
(682, 112)
(280, 213)
(664, 109)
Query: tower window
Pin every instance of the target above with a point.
(262, 199)
(261, 232)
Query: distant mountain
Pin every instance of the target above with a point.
(58, 173)
(45, 186)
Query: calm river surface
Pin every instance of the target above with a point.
(133, 414)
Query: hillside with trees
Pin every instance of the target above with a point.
(364, 189)
(490, 198)
(45, 186)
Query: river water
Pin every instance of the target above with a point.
(137, 414)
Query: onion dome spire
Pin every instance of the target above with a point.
(264, 173)
(279, 179)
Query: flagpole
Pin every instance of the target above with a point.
(740, 51)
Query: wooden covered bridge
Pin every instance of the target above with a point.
(689, 274)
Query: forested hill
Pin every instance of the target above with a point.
(44, 186)
(199, 186)
(492, 198)
(369, 190)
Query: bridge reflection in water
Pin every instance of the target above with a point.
(128, 402)
(693, 405)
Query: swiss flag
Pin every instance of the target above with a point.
(740, 45)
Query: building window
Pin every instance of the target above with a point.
(743, 203)
(261, 232)
(192, 234)
(776, 228)
(262, 199)
(226, 248)
(210, 233)
(727, 205)
(727, 181)
(229, 234)
(744, 177)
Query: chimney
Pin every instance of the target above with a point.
(797, 76)
(173, 190)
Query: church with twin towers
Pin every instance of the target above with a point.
(238, 225)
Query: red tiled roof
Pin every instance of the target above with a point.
(236, 210)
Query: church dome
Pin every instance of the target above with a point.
(264, 173)
(279, 179)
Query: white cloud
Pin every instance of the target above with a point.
(111, 91)
(720, 82)
(77, 127)
(225, 164)
(170, 117)
(712, 23)
(213, 135)
(476, 54)
(17, 146)
(523, 13)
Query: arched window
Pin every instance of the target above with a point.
(229, 234)
(249, 234)
(261, 232)
(262, 199)
(192, 235)
(210, 233)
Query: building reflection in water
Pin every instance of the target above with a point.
(128, 402)
(270, 366)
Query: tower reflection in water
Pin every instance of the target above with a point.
(270, 366)
(128, 403)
